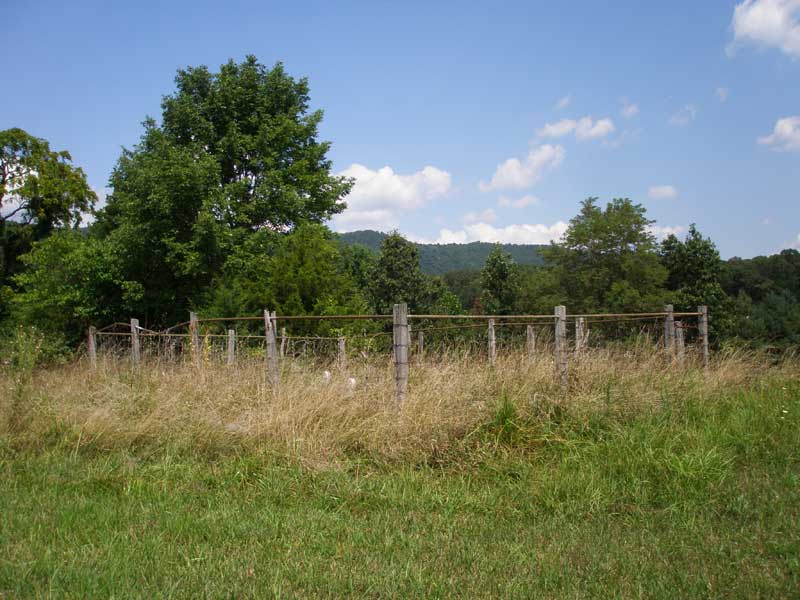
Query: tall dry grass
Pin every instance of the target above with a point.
(452, 399)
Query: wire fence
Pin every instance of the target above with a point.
(317, 341)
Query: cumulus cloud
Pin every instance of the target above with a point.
(684, 116)
(769, 23)
(785, 135)
(629, 109)
(722, 94)
(378, 196)
(585, 128)
(512, 234)
(564, 102)
(525, 201)
(515, 173)
(659, 192)
(662, 231)
(487, 216)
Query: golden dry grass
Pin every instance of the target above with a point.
(321, 422)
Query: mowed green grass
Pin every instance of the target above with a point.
(698, 498)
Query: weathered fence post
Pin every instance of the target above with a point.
(561, 345)
(231, 347)
(703, 328)
(400, 341)
(273, 369)
(342, 354)
(680, 343)
(135, 348)
(580, 334)
(420, 343)
(91, 346)
(194, 333)
(669, 329)
(283, 342)
(530, 340)
(492, 343)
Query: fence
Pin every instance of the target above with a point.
(430, 335)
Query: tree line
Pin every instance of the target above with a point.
(221, 207)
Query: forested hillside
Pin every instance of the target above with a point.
(438, 259)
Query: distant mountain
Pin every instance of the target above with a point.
(437, 259)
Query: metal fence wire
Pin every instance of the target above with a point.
(323, 341)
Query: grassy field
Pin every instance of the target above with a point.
(642, 481)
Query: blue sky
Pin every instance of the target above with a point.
(464, 121)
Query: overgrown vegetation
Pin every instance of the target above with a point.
(641, 481)
(220, 208)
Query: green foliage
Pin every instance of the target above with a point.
(397, 276)
(466, 285)
(440, 259)
(297, 274)
(236, 156)
(38, 186)
(607, 260)
(71, 281)
(767, 297)
(40, 190)
(695, 272)
(499, 283)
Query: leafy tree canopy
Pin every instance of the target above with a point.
(608, 260)
(499, 283)
(236, 155)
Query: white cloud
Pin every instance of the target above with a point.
(512, 234)
(629, 109)
(770, 23)
(684, 116)
(659, 192)
(487, 215)
(525, 201)
(514, 173)
(722, 94)
(663, 231)
(379, 196)
(795, 244)
(564, 102)
(785, 135)
(585, 128)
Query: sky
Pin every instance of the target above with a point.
(463, 121)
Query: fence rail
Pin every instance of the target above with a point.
(277, 344)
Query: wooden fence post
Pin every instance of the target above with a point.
(420, 343)
(680, 343)
(580, 334)
(703, 327)
(400, 340)
(231, 347)
(135, 347)
(669, 330)
(273, 369)
(492, 343)
(530, 340)
(283, 342)
(342, 354)
(561, 345)
(194, 333)
(91, 345)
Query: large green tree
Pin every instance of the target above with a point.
(608, 260)
(236, 154)
(499, 283)
(40, 190)
(397, 276)
(695, 272)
